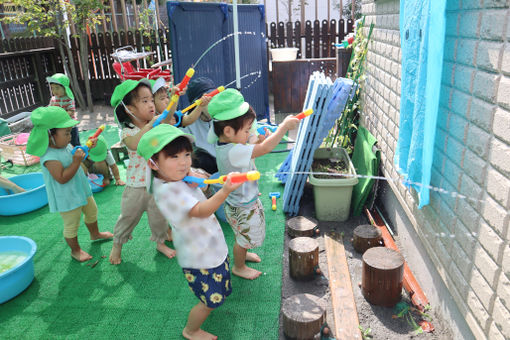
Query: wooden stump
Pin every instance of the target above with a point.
(381, 279)
(366, 236)
(301, 226)
(303, 257)
(303, 316)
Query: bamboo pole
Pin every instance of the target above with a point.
(277, 13)
(353, 6)
(124, 17)
(105, 28)
(114, 17)
(156, 4)
(316, 10)
(329, 14)
(135, 13)
(341, 9)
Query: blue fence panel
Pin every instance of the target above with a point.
(194, 27)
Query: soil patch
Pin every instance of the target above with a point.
(334, 166)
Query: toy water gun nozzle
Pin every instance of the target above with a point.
(88, 144)
(304, 114)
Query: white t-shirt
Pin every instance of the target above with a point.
(199, 242)
(135, 173)
(237, 157)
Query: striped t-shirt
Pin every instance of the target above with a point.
(64, 102)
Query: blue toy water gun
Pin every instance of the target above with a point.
(261, 128)
(88, 144)
(158, 121)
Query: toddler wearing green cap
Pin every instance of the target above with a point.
(62, 96)
(135, 112)
(101, 161)
(232, 121)
(198, 238)
(67, 187)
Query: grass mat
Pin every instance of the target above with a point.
(147, 295)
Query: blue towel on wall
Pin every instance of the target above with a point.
(422, 34)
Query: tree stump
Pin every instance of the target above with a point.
(366, 236)
(381, 279)
(303, 258)
(301, 226)
(303, 316)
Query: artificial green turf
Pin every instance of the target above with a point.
(144, 297)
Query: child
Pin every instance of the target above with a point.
(63, 96)
(100, 161)
(204, 154)
(67, 187)
(233, 118)
(201, 248)
(9, 185)
(162, 99)
(134, 109)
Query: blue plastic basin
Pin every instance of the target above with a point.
(33, 198)
(17, 279)
(220, 213)
(96, 184)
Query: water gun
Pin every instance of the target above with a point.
(88, 144)
(304, 114)
(175, 98)
(236, 178)
(345, 43)
(261, 128)
(199, 101)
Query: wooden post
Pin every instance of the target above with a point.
(301, 226)
(366, 236)
(156, 4)
(135, 14)
(303, 258)
(277, 12)
(303, 316)
(114, 16)
(105, 29)
(381, 279)
(124, 17)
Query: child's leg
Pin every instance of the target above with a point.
(196, 318)
(132, 208)
(103, 169)
(240, 268)
(90, 219)
(159, 227)
(71, 223)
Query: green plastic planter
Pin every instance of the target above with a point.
(333, 196)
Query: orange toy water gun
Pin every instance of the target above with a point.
(234, 178)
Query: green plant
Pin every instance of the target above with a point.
(344, 131)
(403, 310)
(365, 333)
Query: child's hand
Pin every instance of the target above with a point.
(119, 182)
(229, 186)
(290, 123)
(93, 141)
(205, 100)
(79, 155)
(199, 175)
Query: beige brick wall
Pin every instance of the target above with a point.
(467, 239)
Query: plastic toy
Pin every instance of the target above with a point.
(199, 101)
(96, 182)
(33, 198)
(261, 129)
(304, 114)
(238, 178)
(88, 144)
(274, 196)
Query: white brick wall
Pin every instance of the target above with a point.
(471, 154)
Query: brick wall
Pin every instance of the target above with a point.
(466, 239)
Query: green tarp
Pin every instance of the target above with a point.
(366, 162)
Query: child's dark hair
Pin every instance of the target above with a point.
(236, 123)
(161, 90)
(179, 144)
(122, 116)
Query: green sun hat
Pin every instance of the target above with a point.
(227, 105)
(98, 154)
(157, 138)
(124, 88)
(63, 80)
(44, 119)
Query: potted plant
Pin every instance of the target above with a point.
(332, 193)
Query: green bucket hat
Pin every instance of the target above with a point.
(124, 88)
(44, 119)
(227, 105)
(98, 153)
(63, 80)
(157, 138)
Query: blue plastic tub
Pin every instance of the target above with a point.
(33, 198)
(220, 213)
(14, 279)
(96, 184)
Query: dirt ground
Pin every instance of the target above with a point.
(378, 319)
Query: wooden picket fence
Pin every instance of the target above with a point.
(315, 40)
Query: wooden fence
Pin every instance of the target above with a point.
(24, 65)
(315, 40)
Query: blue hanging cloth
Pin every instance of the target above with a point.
(422, 34)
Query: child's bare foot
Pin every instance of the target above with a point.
(198, 335)
(169, 235)
(115, 254)
(246, 272)
(252, 257)
(165, 250)
(81, 256)
(100, 236)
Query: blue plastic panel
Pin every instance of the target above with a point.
(194, 27)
